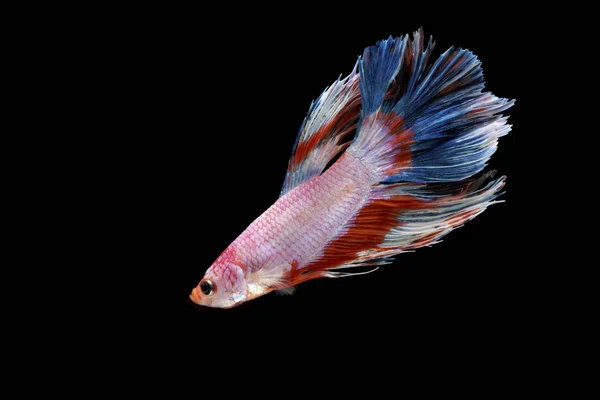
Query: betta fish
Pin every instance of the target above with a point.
(386, 161)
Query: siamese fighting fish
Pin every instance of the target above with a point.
(387, 160)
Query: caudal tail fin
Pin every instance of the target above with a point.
(424, 130)
(423, 122)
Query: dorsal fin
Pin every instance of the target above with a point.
(330, 118)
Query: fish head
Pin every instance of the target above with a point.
(223, 286)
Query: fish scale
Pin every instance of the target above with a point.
(304, 220)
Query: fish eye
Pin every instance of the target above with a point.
(207, 287)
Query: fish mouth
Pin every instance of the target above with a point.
(195, 296)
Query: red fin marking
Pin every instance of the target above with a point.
(306, 274)
(457, 63)
(426, 240)
(450, 88)
(368, 230)
(350, 113)
(463, 216)
(450, 57)
(402, 158)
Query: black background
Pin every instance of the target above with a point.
(221, 107)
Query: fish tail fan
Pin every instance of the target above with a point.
(422, 121)
(425, 129)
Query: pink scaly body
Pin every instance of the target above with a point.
(297, 227)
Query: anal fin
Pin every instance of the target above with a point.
(340, 274)
(403, 217)
(286, 291)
